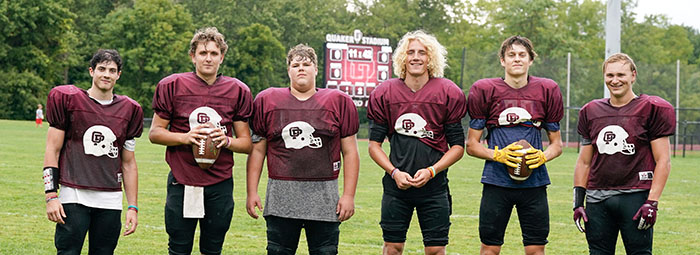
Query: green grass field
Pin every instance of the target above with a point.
(24, 228)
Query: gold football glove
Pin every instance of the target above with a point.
(535, 158)
(508, 155)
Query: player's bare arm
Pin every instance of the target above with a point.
(583, 166)
(475, 148)
(131, 187)
(581, 170)
(254, 166)
(647, 213)
(377, 154)
(54, 143)
(554, 148)
(159, 133)
(424, 175)
(241, 143)
(660, 148)
(508, 155)
(535, 158)
(351, 171)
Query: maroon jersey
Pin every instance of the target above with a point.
(94, 136)
(501, 105)
(422, 114)
(187, 101)
(512, 114)
(621, 139)
(303, 137)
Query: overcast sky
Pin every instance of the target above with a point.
(679, 11)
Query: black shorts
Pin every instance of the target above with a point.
(433, 216)
(497, 204)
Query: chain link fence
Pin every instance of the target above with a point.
(581, 80)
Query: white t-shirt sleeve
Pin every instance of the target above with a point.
(130, 145)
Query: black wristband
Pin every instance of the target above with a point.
(579, 196)
(51, 179)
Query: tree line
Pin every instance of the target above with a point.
(49, 43)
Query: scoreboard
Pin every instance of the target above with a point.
(356, 64)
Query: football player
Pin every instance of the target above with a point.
(515, 107)
(421, 114)
(623, 164)
(303, 131)
(90, 153)
(185, 105)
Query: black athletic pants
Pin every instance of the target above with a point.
(218, 209)
(612, 216)
(102, 224)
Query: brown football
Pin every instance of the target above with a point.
(522, 172)
(205, 152)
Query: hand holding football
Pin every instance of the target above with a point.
(522, 171)
(205, 150)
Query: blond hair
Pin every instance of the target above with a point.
(620, 57)
(437, 54)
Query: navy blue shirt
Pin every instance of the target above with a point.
(510, 115)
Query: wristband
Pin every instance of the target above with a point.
(227, 142)
(51, 179)
(51, 198)
(133, 207)
(393, 172)
(579, 196)
(432, 171)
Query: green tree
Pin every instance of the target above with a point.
(393, 18)
(257, 58)
(676, 39)
(446, 19)
(530, 19)
(153, 38)
(478, 41)
(89, 15)
(694, 38)
(20, 92)
(308, 22)
(289, 22)
(35, 40)
(214, 13)
(581, 25)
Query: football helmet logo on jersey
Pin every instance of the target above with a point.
(206, 114)
(99, 140)
(516, 115)
(299, 134)
(412, 124)
(611, 140)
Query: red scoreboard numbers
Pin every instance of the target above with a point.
(356, 64)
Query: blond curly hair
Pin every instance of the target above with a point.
(437, 54)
